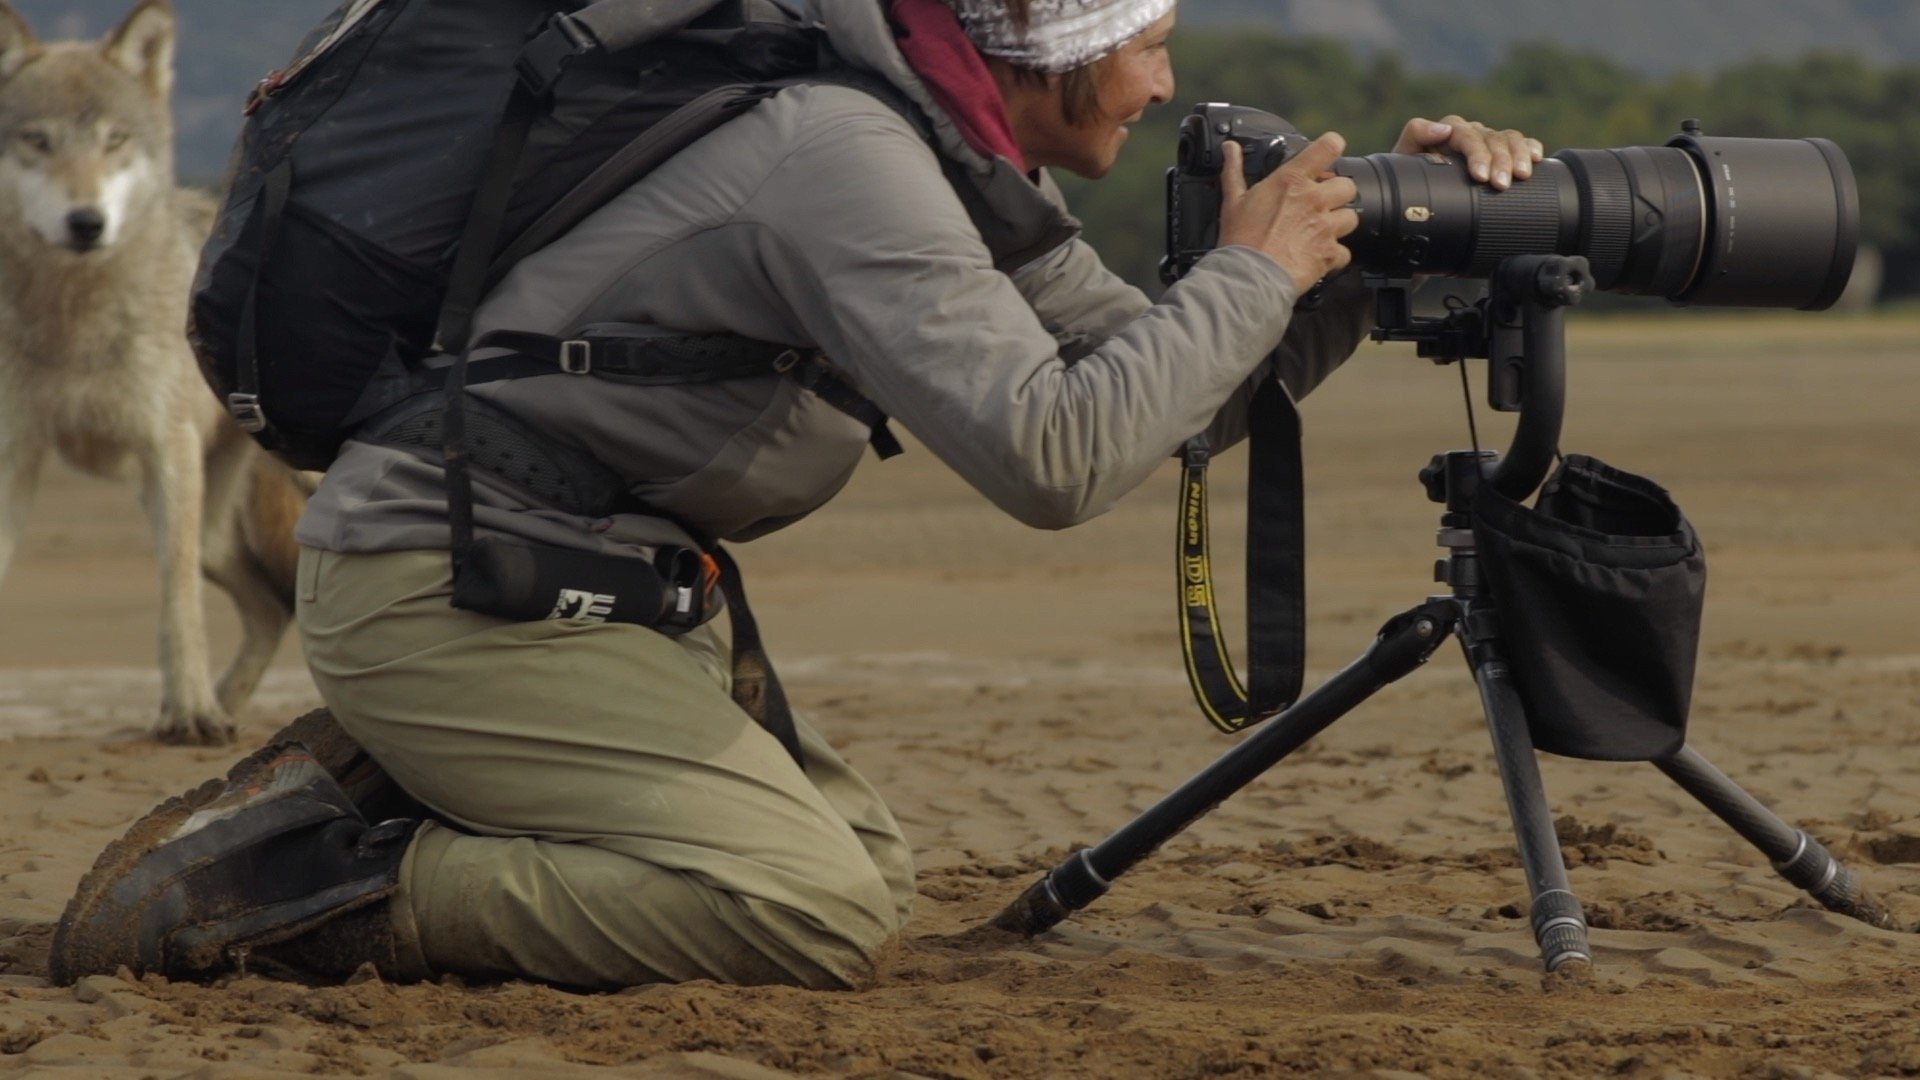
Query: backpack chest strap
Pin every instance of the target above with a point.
(672, 360)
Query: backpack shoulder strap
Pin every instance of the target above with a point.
(612, 26)
(874, 85)
(639, 158)
(622, 24)
(627, 167)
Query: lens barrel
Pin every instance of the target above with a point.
(1784, 221)
(1702, 220)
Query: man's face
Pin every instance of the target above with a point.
(1139, 74)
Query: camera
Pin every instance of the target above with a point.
(1702, 220)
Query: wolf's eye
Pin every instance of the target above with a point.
(36, 141)
(117, 138)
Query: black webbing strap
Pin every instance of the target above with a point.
(1276, 573)
(667, 360)
(627, 166)
(635, 360)
(623, 24)
(756, 689)
(466, 281)
(831, 388)
(486, 369)
(675, 133)
(453, 448)
(243, 402)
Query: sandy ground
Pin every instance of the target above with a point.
(1356, 911)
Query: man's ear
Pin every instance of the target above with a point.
(142, 45)
(17, 43)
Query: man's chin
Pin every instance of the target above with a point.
(1090, 169)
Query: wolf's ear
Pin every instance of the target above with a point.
(142, 45)
(17, 43)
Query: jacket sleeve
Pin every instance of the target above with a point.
(1082, 303)
(1316, 344)
(1077, 299)
(864, 237)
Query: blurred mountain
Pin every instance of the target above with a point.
(226, 45)
(1655, 37)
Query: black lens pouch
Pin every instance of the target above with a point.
(528, 582)
(1599, 588)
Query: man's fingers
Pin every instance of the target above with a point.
(1479, 157)
(1430, 132)
(1338, 191)
(1493, 157)
(1522, 155)
(1500, 156)
(1319, 155)
(1233, 171)
(1469, 141)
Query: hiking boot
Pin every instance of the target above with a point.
(268, 856)
(375, 793)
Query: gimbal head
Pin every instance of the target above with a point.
(1519, 326)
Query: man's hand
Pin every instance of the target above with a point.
(1297, 215)
(1493, 157)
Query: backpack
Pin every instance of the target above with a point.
(416, 149)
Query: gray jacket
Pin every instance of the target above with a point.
(966, 308)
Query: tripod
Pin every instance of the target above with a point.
(1520, 328)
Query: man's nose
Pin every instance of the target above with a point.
(1163, 86)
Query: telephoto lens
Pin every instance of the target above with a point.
(1702, 220)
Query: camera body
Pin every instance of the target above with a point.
(1700, 220)
(1193, 184)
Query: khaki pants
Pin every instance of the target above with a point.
(609, 816)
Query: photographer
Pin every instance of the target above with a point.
(601, 808)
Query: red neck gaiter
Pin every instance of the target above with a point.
(937, 49)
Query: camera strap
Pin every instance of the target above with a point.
(1276, 572)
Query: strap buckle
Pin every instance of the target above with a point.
(691, 578)
(246, 411)
(576, 356)
(263, 90)
(1196, 453)
(545, 58)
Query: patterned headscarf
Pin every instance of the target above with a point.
(1061, 35)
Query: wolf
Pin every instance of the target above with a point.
(98, 246)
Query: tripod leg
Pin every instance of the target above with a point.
(1559, 923)
(1798, 857)
(1403, 645)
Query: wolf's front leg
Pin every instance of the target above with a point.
(173, 493)
(19, 478)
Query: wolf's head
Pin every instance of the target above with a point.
(86, 138)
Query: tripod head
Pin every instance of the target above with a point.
(1519, 326)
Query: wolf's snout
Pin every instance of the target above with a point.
(85, 227)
